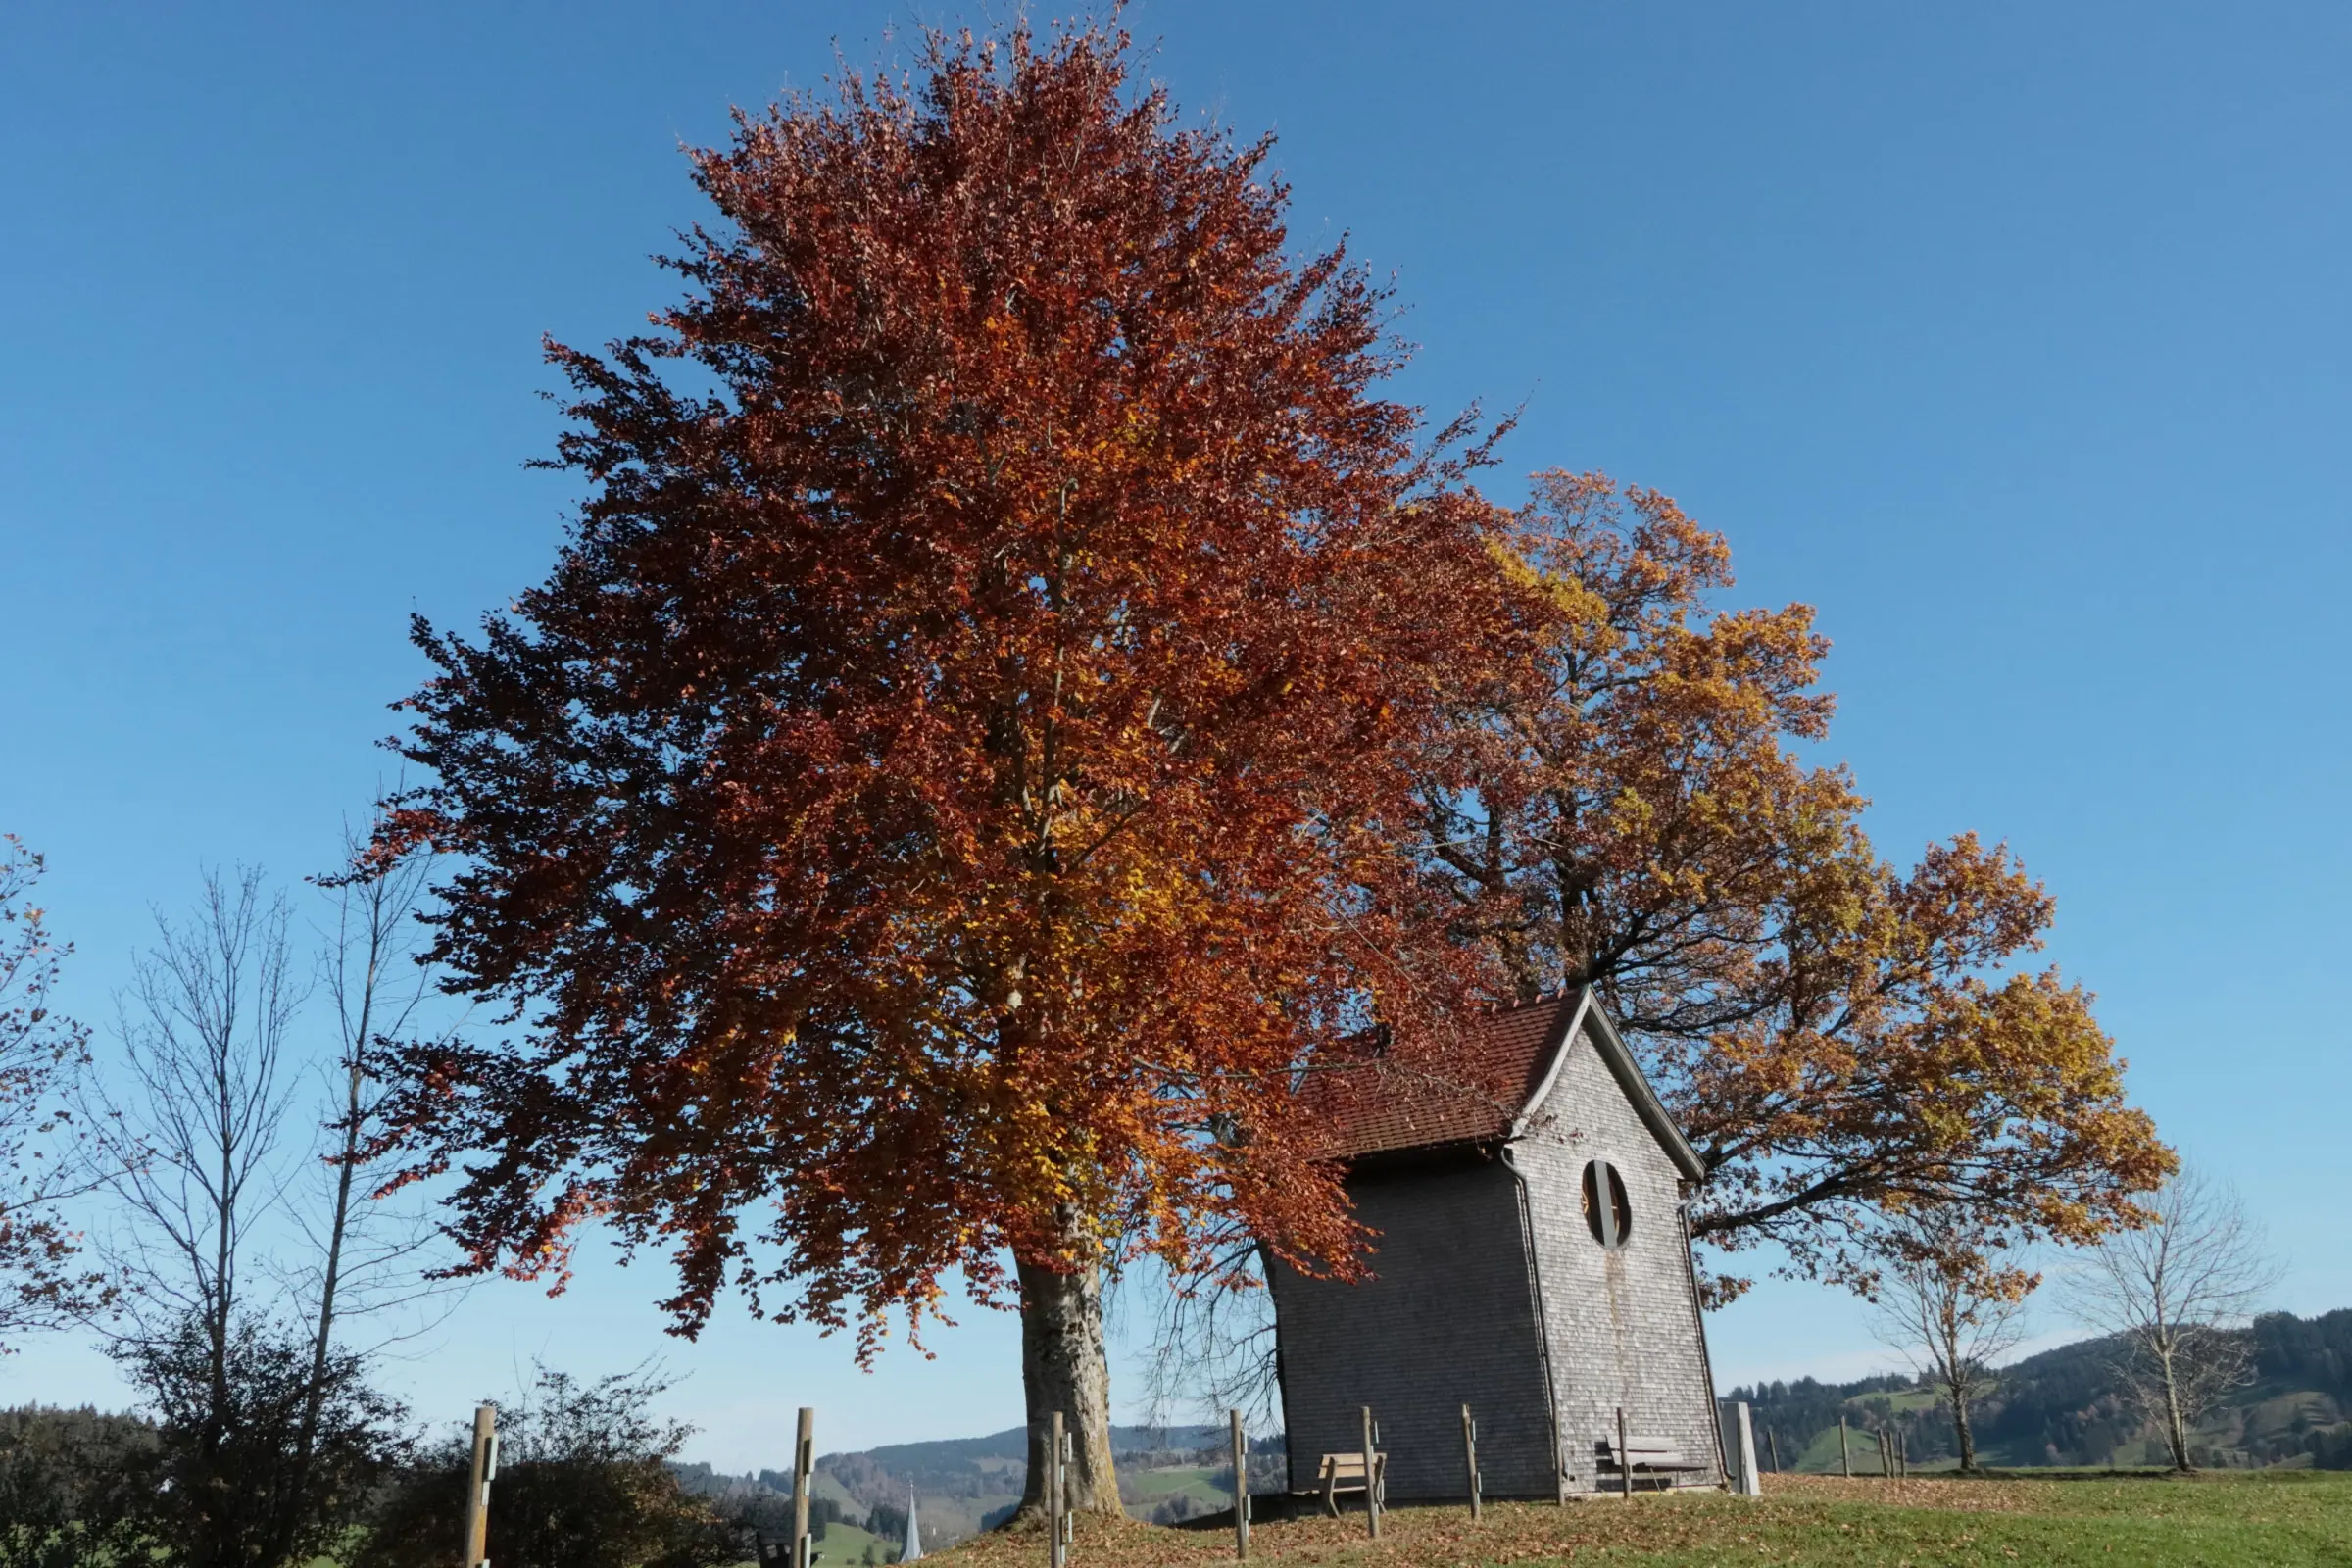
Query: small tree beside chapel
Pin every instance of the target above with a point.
(2176, 1295)
(1952, 1309)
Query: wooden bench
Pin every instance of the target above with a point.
(1344, 1472)
(1646, 1458)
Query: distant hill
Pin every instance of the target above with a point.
(2064, 1407)
(1012, 1443)
(965, 1485)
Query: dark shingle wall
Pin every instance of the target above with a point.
(1449, 1321)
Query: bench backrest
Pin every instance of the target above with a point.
(1639, 1449)
(1345, 1466)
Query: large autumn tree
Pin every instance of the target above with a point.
(961, 764)
(1625, 801)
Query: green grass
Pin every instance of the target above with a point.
(2273, 1519)
(2282, 1520)
(843, 1545)
(1821, 1455)
(1150, 1488)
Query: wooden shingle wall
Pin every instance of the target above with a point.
(1623, 1325)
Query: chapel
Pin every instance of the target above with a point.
(1531, 1259)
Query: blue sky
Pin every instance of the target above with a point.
(2015, 337)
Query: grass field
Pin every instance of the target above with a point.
(1153, 1486)
(843, 1545)
(2284, 1519)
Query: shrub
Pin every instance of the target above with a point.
(583, 1482)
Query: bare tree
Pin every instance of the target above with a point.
(42, 1279)
(1948, 1305)
(2177, 1293)
(363, 1259)
(220, 1252)
(193, 1136)
(1212, 1339)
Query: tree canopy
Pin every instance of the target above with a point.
(959, 766)
(1625, 801)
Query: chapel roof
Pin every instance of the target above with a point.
(1480, 1092)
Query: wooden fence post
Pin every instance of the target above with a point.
(1846, 1452)
(477, 1492)
(1771, 1440)
(1371, 1474)
(1470, 1459)
(1625, 1458)
(1054, 1498)
(1241, 1491)
(803, 1477)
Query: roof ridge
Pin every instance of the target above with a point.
(1541, 999)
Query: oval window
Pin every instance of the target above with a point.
(1606, 1208)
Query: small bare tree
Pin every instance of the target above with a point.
(2177, 1293)
(1952, 1309)
(224, 1246)
(363, 1257)
(193, 1136)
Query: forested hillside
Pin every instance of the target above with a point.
(965, 1484)
(2065, 1406)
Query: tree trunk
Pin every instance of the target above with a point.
(1965, 1436)
(2175, 1430)
(1064, 1368)
(220, 1309)
(322, 1338)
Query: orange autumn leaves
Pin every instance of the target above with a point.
(1015, 694)
(1627, 809)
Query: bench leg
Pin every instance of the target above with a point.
(1330, 1495)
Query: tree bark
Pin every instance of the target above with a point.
(2175, 1430)
(1964, 1432)
(322, 1338)
(1064, 1368)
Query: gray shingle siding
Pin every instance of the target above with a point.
(1624, 1327)
(1466, 1257)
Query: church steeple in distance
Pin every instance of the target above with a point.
(914, 1549)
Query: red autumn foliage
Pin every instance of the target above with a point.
(958, 770)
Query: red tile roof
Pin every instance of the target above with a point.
(1383, 1105)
